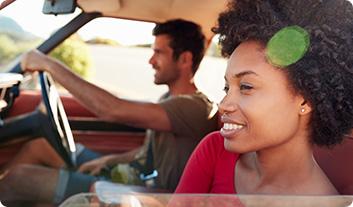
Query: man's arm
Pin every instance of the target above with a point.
(102, 103)
(95, 166)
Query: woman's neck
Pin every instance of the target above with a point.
(288, 169)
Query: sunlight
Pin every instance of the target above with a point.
(126, 32)
(28, 14)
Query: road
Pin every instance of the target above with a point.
(125, 71)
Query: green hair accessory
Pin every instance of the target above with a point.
(287, 46)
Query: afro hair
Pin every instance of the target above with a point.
(324, 76)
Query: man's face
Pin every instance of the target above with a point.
(167, 70)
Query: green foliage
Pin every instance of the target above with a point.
(103, 41)
(214, 50)
(7, 49)
(11, 47)
(74, 53)
(144, 45)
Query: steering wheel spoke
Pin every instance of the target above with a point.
(60, 136)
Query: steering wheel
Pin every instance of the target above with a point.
(58, 133)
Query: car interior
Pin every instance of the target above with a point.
(30, 114)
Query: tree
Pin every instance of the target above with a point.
(103, 41)
(7, 49)
(74, 53)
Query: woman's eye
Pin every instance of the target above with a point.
(245, 87)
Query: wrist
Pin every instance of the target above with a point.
(49, 64)
(109, 160)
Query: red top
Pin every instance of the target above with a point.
(210, 168)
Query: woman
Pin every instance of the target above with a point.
(289, 86)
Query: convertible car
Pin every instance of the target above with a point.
(45, 112)
(23, 116)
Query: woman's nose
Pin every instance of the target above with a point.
(227, 105)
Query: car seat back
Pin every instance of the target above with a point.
(337, 163)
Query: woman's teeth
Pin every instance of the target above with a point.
(229, 126)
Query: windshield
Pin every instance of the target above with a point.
(21, 30)
(208, 200)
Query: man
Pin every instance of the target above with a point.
(176, 124)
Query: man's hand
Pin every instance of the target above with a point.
(94, 167)
(35, 61)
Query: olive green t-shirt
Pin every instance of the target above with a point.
(192, 117)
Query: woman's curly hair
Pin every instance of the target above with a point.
(324, 76)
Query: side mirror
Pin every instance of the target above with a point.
(59, 6)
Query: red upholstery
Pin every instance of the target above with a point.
(110, 142)
(337, 163)
(29, 100)
(26, 102)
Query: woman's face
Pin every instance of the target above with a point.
(260, 110)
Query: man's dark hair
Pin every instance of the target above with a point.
(185, 36)
(324, 76)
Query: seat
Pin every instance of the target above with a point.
(337, 163)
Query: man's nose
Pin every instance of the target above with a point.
(151, 60)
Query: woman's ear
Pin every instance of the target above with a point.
(305, 108)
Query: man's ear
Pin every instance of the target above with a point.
(305, 108)
(185, 58)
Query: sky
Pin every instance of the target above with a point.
(27, 13)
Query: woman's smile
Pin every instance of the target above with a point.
(229, 130)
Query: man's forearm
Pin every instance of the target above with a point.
(102, 103)
(122, 158)
(95, 99)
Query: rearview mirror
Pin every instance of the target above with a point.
(59, 6)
